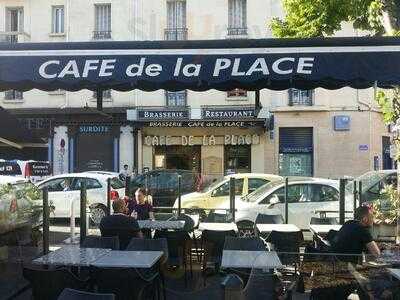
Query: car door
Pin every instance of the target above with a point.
(95, 193)
(60, 193)
(255, 183)
(219, 196)
(299, 196)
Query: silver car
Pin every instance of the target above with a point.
(305, 197)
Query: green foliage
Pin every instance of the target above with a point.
(385, 209)
(318, 18)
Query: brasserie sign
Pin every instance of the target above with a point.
(204, 124)
(148, 114)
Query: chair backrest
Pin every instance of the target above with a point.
(138, 244)
(269, 219)
(189, 222)
(124, 235)
(261, 285)
(176, 240)
(217, 241)
(70, 294)
(123, 283)
(287, 242)
(244, 243)
(324, 221)
(105, 242)
(48, 284)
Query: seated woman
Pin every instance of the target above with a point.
(141, 209)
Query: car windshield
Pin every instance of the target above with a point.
(116, 183)
(367, 180)
(262, 190)
(212, 185)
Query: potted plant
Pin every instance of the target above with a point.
(386, 213)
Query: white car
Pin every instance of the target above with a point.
(305, 197)
(65, 188)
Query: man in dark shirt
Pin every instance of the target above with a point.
(121, 225)
(354, 237)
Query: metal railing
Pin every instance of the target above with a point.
(13, 95)
(234, 31)
(102, 34)
(176, 34)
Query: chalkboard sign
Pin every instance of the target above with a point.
(9, 168)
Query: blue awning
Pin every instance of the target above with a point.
(275, 64)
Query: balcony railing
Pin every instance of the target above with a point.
(13, 37)
(237, 93)
(235, 31)
(176, 98)
(102, 35)
(176, 34)
(13, 95)
(300, 97)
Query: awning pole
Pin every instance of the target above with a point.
(99, 100)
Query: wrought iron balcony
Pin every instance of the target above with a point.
(176, 98)
(13, 95)
(235, 31)
(175, 34)
(102, 35)
(13, 37)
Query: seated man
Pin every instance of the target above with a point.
(354, 236)
(121, 225)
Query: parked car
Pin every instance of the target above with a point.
(21, 206)
(163, 185)
(305, 196)
(34, 171)
(373, 184)
(65, 188)
(216, 195)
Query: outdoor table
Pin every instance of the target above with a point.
(267, 228)
(218, 226)
(250, 259)
(128, 259)
(160, 225)
(323, 229)
(72, 256)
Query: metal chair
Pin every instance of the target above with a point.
(49, 284)
(125, 284)
(244, 244)
(70, 294)
(94, 241)
(324, 221)
(138, 244)
(287, 242)
(179, 245)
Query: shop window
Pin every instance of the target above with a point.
(237, 159)
(295, 164)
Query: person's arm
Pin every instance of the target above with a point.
(373, 249)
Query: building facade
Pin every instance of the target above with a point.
(315, 133)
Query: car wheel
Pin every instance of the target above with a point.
(245, 228)
(97, 213)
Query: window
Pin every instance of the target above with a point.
(176, 20)
(13, 95)
(323, 193)
(237, 159)
(237, 93)
(35, 123)
(255, 183)
(106, 94)
(15, 19)
(102, 25)
(296, 193)
(176, 98)
(90, 184)
(223, 190)
(116, 183)
(57, 19)
(237, 19)
(300, 97)
(55, 185)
